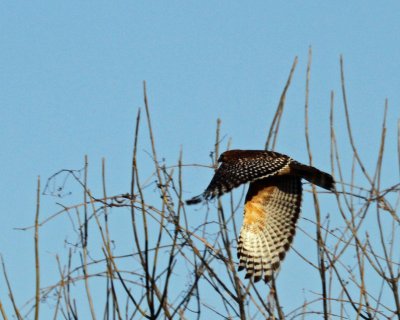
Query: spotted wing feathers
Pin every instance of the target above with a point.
(242, 166)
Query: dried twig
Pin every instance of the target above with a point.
(37, 261)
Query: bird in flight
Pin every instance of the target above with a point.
(272, 204)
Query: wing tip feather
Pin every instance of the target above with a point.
(195, 200)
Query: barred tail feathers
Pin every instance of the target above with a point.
(313, 175)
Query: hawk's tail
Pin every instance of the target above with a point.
(313, 175)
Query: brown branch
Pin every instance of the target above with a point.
(274, 127)
(84, 238)
(37, 261)
(320, 241)
(3, 312)
(10, 293)
(349, 131)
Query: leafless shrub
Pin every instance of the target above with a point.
(175, 263)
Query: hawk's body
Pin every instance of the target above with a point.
(272, 204)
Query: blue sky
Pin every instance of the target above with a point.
(71, 78)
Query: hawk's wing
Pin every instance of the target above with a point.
(242, 166)
(270, 214)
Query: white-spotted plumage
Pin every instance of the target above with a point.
(272, 204)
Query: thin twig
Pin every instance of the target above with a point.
(85, 244)
(3, 312)
(10, 293)
(274, 127)
(320, 241)
(37, 261)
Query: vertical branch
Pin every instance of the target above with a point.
(85, 236)
(133, 181)
(165, 205)
(145, 261)
(103, 180)
(274, 128)
(332, 133)
(150, 294)
(109, 273)
(350, 134)
(274, 292)
(398, 142)
(222, 223)
(225, 235)
(320, 241)
(37, 262)
(143, 258)
(10, 293)
(110, 269)
(61, 290)
(3, 313)
(70, 310)
(164, 297)
(153, 147)
(217, 141)
(392, 282)
(377, 175)
(85, 243)
(332, 157)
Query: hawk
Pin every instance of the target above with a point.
(272, 204)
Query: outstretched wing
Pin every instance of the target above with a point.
(270, 214)
(242, 166)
